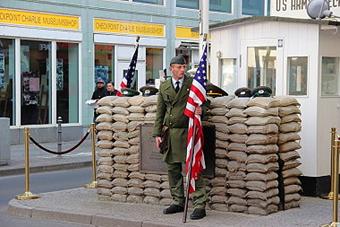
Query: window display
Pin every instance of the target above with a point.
(36, 86)
(67, 82)
(7, 74)
(154, 64)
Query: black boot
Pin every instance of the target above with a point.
(173, 209)
(198, 213)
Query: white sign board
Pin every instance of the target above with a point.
(297, 8)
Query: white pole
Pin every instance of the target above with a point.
(204, 22)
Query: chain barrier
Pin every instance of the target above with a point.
(27, 195)
(62, 152)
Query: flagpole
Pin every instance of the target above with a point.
(137, 40)
(184, 220)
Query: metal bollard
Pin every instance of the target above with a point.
(93, 184)
(27, 195)
(336, 183)
(333, 135)
(335, 179)
(59, 121)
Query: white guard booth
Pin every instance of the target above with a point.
(296, 57)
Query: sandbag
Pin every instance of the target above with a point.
(120, 110)
(264, 102)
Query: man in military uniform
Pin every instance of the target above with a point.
(172, 99)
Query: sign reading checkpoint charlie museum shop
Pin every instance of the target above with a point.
(297, 8)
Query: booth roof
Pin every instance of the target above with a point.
(256, 19)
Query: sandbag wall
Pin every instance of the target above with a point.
(251, 136)
(118, 175)
(290, 125)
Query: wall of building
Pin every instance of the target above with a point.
(232, 42)
(328, 106)
(168, 14)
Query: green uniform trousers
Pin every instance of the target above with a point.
(199, 196)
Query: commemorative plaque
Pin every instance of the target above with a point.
(150, 159)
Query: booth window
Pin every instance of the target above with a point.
(297, 75)
(103, 62)
(330, 76)
(154, 64)
(67, 82)
(158, 2)
(253, 7)
(228, 74)
(220, 6)
(7, 75)
(261, 67)
(35, 82)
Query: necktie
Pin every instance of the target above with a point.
(177, 86)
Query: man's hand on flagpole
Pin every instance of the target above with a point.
(158, 141)
(198, 110)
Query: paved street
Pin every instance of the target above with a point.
(10, 186)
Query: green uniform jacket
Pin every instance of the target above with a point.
(170, 110)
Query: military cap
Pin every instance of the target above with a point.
(243, 92)
(148, 90)
(129, 92)
(214, 91)
(178, 60)
(261, 91)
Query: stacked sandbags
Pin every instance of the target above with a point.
(150, 106)
(121, 149)
(262, 158)
(289, 138)
(217, 192)
(236, 186)
(104, 147)
(165, 194)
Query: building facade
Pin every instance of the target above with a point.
(52, 51)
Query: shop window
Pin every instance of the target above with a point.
(253, 7)
(154, 64)
(297, 75)
(67, 82)
(228, 75)
(7, 75)
(261, 67)
(190, 4)
(158, 2)
(220, 5)
(35, 82)
(104, 62)
(190, 54)
(330, 76)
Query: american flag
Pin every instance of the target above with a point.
(197, 97)
(128, 77)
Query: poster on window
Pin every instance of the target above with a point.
(30, 88)
(60, 74)
(102, 71)
(2, 69)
